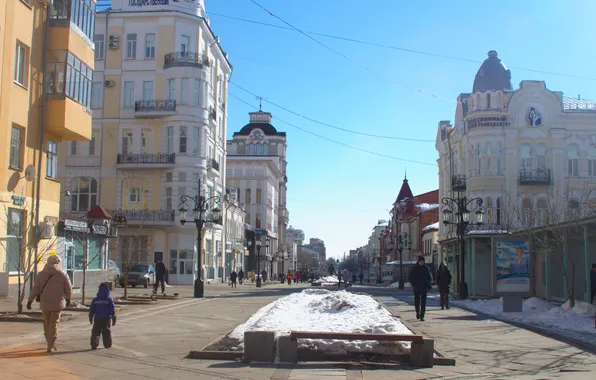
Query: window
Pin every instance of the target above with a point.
(147, 90)
(14, 232)
(184, 91)
(150, 46)
(171, 89)
(80, 12)
(489, 211)
(265, 149)
(93, 142)
(60, 10)
(195, 141)
(259, 196)
(134, 249)
(78, 80)
(183, 140)
(182, 177)
(20, 65)
(169, 199)
(541, 215)
(127, 139)
(170, 140)
(258, 221)
(197, 91)
(99, 41)
(488, 100)
(169, 177)
(573, 209)
(592, 161)
(526, 157)
(131, 46)
(526, 212)
(52, 160)
(97, 95)
(498, 211)
(135, 195)
(572, 161)
(83, 194)
(499, 154)
(489, 153)
(258, 149)
(184, 43)
(247, 197)
(251, 149)
(129, 94)
(95, 252)
(478, 159)
(73, 148)
(145, 140)
(16, 147)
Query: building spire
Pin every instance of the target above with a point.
(260, 103)
(406, 174)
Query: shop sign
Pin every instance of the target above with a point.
(75, 225)
(142, 3)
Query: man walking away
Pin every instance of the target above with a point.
(361, 277)
(443, 283)
(160, 277)
(102, 314)
(420, 279)
(233, 277)
(593, 283)
(240, 276)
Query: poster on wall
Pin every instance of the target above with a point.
(512, 266)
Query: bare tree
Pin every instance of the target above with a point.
(135, 249)
(88, 257)
(20, 243)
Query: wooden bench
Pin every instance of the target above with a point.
(421, 353)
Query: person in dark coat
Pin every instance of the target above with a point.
(264, 275)
(593, 283)
(240, 276)
(443, 283)
(102, 315)
(420, 279)
(233, 277)
(160, 277)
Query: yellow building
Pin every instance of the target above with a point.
(159, 124)
(46, 70)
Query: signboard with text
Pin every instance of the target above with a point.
(513, 266)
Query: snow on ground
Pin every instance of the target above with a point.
(327, 281)
(541, 314)
(396, 285)
(328, 311)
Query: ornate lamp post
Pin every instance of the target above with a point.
(259, 243)
(459, 207)
(201, 214)
(402, 244)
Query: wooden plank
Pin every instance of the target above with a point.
(354, 336)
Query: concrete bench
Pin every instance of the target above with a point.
(421, 354)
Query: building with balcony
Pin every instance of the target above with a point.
(158, 97)
(39, 110)
(256, 172)
(235, 238)
(530, 155)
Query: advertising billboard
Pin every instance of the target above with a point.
(513, 266)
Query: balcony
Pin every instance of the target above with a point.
(534, 177)
(185, 59)
(68, 119)
(458, 182)
(212, 168)
(145, 160)
(155, 108)
(143, 216)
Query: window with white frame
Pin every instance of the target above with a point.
(184, 44)
(145, 133)
(541, 213)
(127, 140)
(499, 152)
(52, 160)
(21, 64)
(592, 161)
(99, 41)
(526, 214)
(572, 161)
(197, 90)
(183, 140)
(184, 90)
(478, 159)
(541, 157)
(96, 95)
(150, 46)
(129, 94)
(195, 141)
(489, 154)
(83, 193)
(16, 147)
(169, 199)
(147, 90)
(573, 209)
(171, 89)
(525, 157)
(131, 46)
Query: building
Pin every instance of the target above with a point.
(38, 111)
(529, 155)
(158, 97)
(318, 245)
(256, 172)
(236, 249)
(294, 239)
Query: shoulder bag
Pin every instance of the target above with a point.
(38, 297)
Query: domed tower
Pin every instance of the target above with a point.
(492, 75)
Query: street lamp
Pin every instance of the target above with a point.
(201, 214)
(459, 207)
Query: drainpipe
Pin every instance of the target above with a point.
(41, 142)
(105, 59)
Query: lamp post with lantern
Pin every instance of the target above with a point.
(459, 207)
(402, 244)
(203, 212)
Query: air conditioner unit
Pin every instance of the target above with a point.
(109, 83)
(46, 230)
(114, 38)
(113, 45)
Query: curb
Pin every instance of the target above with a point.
(32, 319)
(215, 355)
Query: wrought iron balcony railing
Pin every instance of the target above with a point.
(213, 164)
(146, 158)
(534, 176)
(185, 58)
(458, 182)
(155, 105)
(144, 215)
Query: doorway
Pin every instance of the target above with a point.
(181, 268)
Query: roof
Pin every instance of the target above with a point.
(572, 104)
(492, 75)
(98, 212)
(431, 227)
(404, 192)
(267, 128)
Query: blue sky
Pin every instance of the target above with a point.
(337, 193)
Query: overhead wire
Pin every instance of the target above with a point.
(335, 141)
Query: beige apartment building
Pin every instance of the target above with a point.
(35, 119)
(159, 98)
(530, 155)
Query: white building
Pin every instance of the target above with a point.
(294, 238)
(236, 249)
(256, 172)
(530, 155)
(159, 96)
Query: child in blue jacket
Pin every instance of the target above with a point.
(102, 314)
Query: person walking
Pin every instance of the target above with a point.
(160, 277)
(297, 277)
(54, 290)
(289, 278)
(443, 283)
(240, 276)
(233, 277)
(264, 274)
(361, 278)
(252, 276)
(420, 279)
(102, 315)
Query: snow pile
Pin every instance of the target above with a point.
(426, 206)
(396, 285)
(322, 310)
(430, 227)
(327, 280)
(540, 313)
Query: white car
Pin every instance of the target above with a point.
(113, 273)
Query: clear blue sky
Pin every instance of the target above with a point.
(337, 193)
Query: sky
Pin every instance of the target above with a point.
(338, 193)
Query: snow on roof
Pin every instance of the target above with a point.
(426, 206)
(430, 227)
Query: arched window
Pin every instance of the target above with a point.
(265, 149)
(541, 214)
(592, 161)
(525, 156)
(488, 100)
(489, 153)
(489, 211)
(572, 161)
(83, 193)
(251, 150)
(498, 157)
(478, 159)
(258, 152)
(134, 194)
(541, 157)
(526, 214)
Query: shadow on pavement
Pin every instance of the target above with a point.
(36, 353)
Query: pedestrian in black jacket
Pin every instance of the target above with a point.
(420, 279)
(233, 277)
(160, 277)
(443, 283)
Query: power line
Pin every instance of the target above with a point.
(392, 47)
(330, 125)
(335, 141)
(357, 63)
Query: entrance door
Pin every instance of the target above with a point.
(70, 262)
(181, 267)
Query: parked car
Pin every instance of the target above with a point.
(113, 273)
(140, 275)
